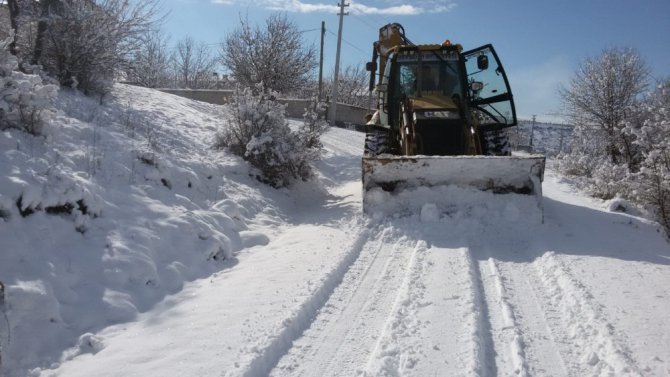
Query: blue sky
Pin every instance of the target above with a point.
(541, 43)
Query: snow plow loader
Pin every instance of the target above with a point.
(441, 119)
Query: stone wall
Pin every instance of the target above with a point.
(346, 114)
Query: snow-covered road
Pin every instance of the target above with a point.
(469, 297)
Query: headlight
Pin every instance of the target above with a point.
(444, 114)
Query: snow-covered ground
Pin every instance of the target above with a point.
(177, 263)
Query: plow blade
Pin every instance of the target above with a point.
(498, 174)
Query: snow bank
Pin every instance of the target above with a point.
(116, 207)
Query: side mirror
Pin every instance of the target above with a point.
(476, 86)
(482, 62)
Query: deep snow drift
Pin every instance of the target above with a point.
(148, 254)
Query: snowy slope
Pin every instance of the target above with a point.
(310, 287)
(114, 209)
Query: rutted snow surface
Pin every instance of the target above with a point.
(316, 289)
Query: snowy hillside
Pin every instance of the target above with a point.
(132, 249)
(546, 138)
(117, 207)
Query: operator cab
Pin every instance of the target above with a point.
(431, 78)
(428, 72)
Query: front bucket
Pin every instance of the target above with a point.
(498, 174)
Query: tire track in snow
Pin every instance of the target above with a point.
(434, 326)
(509, 333)
(337, 340)
(596, 348)
(542, 354)
(294, 327)
(498, 333)
(401, 321)
(523, 336)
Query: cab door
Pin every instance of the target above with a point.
(493, 102)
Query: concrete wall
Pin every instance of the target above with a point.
(217, 97)
(346, 114)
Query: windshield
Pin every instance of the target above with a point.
(439, 73)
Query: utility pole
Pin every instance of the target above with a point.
(532, 130)
(323, 33)
(333, 104)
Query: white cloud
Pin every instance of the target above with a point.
(299, 6)
(407, 10)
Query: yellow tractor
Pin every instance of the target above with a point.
(441, 119)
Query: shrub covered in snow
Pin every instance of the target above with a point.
(601, 177)
(314, 124)
(25, 100)
(259, 132)
(583, 157)
(653, 139)
(611, 180)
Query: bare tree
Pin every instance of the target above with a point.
(602, 94)
(353, 86)
(150, 65)
(87, 42)
(274, 55)
(193, 64)
(47, 9)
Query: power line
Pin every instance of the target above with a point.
(362, 20)
(307, 31)
(347, 42)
